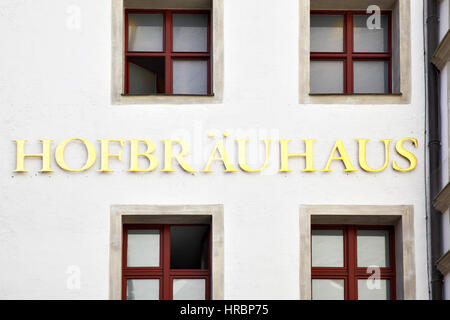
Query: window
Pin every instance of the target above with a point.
(154, 67)
(353, 263)
(329, 74)
(166, 262)
(167, 52)
(347, 57)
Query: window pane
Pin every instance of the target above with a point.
(370, 40)
(371, 76)
(142, 80)
(327, 248)
(146, 75)
(188, 247)
(145, 32)
(373, 248)
(189, 289)
(190, 77)
(190, 32)
(143, 289)
(143, 248)
(327, 289)
(373, 289)
(327, 76)
(327, 33)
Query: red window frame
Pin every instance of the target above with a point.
(168, 54)
(350, 272)
(163, 273)
(348, 55)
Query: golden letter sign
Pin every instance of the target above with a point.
(218, 154)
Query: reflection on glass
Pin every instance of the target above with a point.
(190, 32)
(327, 33)
(374, 39)
(373, 248)
(143, 248)
(327, 76)
(189, 289)
(190, 77)
(143, 289)
(145, 32)
(328, 289)
(371, 77)
(146, 75)
(142, 80)
(189, 247)
(327, 248)
(377, 289)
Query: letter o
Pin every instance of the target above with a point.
(91, 155)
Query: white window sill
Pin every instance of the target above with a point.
(355, 99)
(166, 95)
(356, 94)
(154, 99)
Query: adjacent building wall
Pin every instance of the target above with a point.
(444, 16)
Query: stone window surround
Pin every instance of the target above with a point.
(166, 214)
(443, 264)
(117, 54)
(442, 54)
(404, 97)
(401, 217)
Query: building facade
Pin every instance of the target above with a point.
(212, 149)
(439, 178)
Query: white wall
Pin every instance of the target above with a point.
(444, 10)
(55, 84)
(444, 15)
(444, 109)
(444, 105)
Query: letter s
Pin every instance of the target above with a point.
(406, 154)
